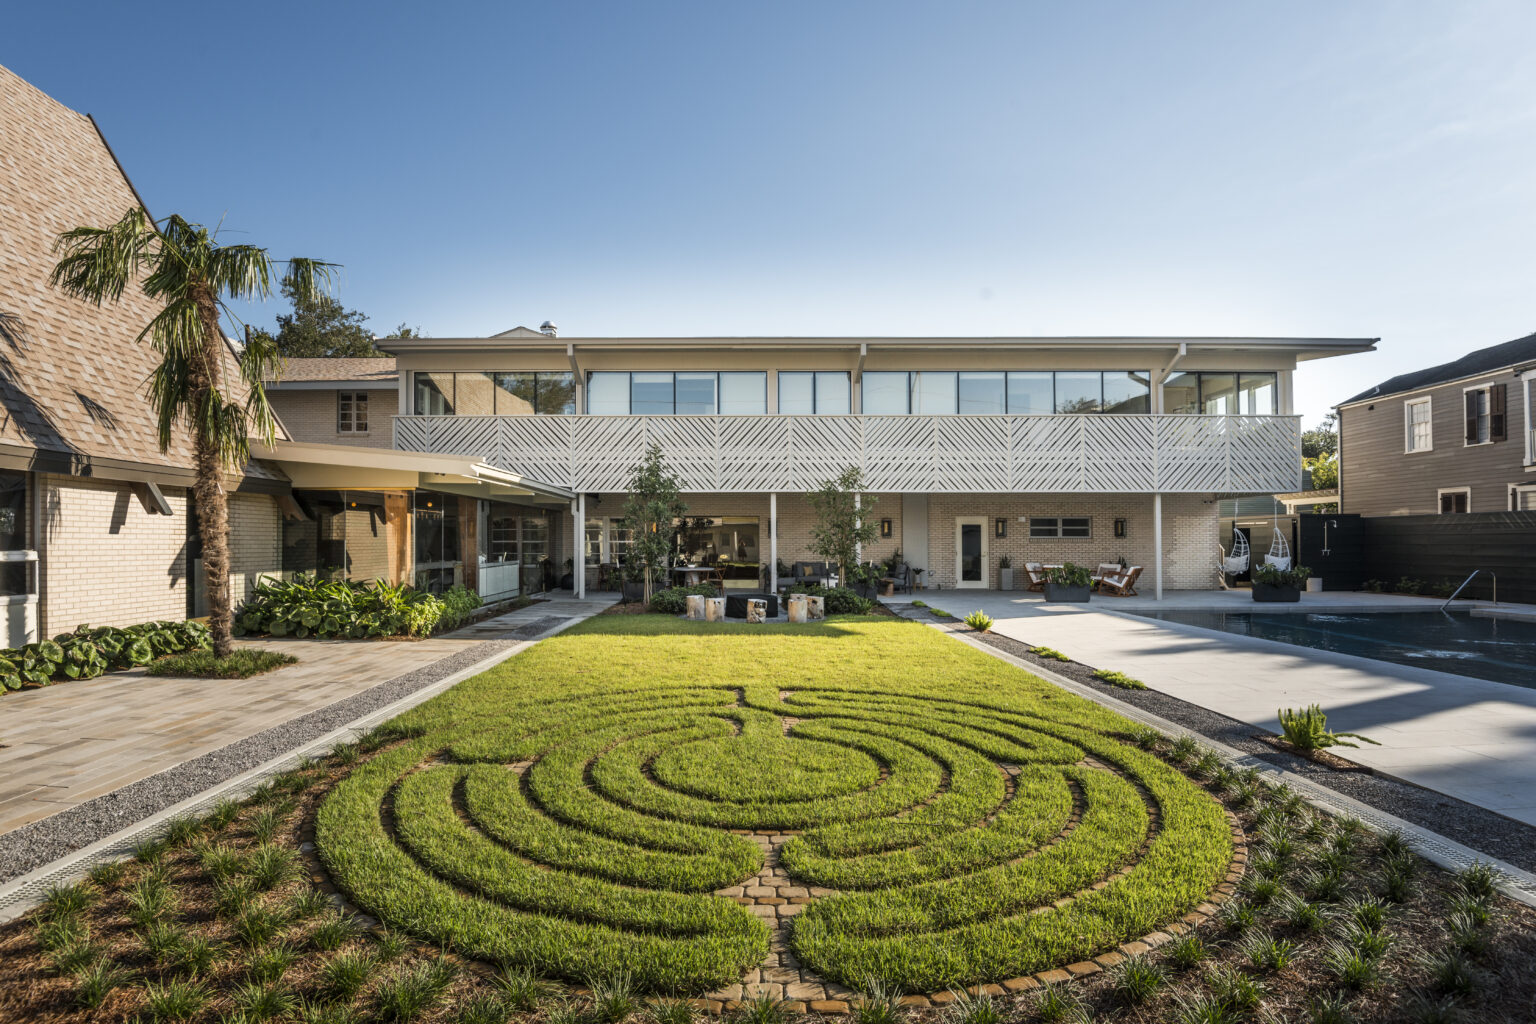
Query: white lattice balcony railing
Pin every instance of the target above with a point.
(958, 454)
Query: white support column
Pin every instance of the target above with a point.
(773, 542)
(1157, 543)
(579, 559)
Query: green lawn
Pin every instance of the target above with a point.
(574, 809)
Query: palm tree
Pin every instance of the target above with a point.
(182, 268)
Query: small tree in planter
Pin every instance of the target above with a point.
(651, 507)
(1273, 585)
(1005, 573)
(1068, 583)
(842, 525)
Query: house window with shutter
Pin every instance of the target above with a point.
(1485, 414)
(1455, 499)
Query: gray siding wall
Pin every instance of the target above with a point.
(1380, 479)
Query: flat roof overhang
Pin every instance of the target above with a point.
(1303, 348)
(346, 467)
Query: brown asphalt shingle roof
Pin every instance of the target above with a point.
(71, 374)
(379, 369)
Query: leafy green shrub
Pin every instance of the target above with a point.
(307, 605)
(674, 600)
(1069, 575)
(838, 600)
(90, 651)
(1268, 574)
(979, 620)
(1308, 730)
(1049, 652)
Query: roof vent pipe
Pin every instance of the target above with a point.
(549, 328)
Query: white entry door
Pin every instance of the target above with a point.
(971, 551)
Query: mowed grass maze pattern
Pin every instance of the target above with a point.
(576, 809)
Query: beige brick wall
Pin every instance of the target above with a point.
(107, 562)
(311, 416)
(1190, 532)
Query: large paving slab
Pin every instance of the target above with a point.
(69, 743)
(1469, 738)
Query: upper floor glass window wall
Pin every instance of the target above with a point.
(487, 393)
(822, 393)
(685, 393)
(1019, 393)
(1221, 394)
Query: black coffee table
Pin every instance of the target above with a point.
(736, 604)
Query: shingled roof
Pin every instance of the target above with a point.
(72, 375)
(1520, 352)
(341, 369)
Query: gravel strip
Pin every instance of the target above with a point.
(1468, 824)
(42, 842)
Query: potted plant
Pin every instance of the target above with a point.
(1004, 573)
(1068, 583)
(865, 579)
(632, 575)
(1273, 585)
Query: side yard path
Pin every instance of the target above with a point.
(82, 761)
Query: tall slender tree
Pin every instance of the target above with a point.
(842, 520)
(653, 505)
(183, 269)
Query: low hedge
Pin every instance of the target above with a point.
(674, 600)
(90, 651)
(309, 606)
(837, 600)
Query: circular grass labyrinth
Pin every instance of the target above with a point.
(931, 842)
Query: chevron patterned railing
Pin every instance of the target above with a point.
(957, 454)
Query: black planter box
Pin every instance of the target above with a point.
(865, 590)
(1271, 593)
(736, 604)
(1064, 592)
(634, 590)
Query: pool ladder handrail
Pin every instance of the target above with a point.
(1464, 583)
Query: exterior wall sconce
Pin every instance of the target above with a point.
(885, 527)
(1119, 527)
(1000, 527)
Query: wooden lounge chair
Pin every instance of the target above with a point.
(1105, 569)
(1036, 573)
(1121, 584)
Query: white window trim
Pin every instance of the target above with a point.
(1528, 379)
(1408, 448)
(352, 431)
(1439, 494)
(1486, 385)
(1515, 490)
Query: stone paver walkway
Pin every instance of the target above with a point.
(1469, 738)
(65, 744)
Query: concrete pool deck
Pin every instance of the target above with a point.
(1472, 739)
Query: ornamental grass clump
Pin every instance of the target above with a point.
(1120, 679)
(979, 620)
(1307, 729)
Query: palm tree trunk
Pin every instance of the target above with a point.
(208, 491)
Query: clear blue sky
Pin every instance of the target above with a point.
(1313, 168)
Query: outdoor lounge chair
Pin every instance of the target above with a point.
(900, 578)
(1036, 573)
(1105, 569)
(1121, 584)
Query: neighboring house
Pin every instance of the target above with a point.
(337, 401)
(93, 515)
(1455, 438)
(1040, 449)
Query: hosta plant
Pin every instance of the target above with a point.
(309, 606)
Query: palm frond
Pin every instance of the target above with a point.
(240, 271)
(99, 263)
(176, 328)
(308, 278)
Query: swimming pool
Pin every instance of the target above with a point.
(1497, 649)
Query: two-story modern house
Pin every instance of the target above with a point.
(1038, 449)
(1455, 438)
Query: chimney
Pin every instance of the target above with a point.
(549, 328)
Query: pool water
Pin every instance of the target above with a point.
(1498, 649)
